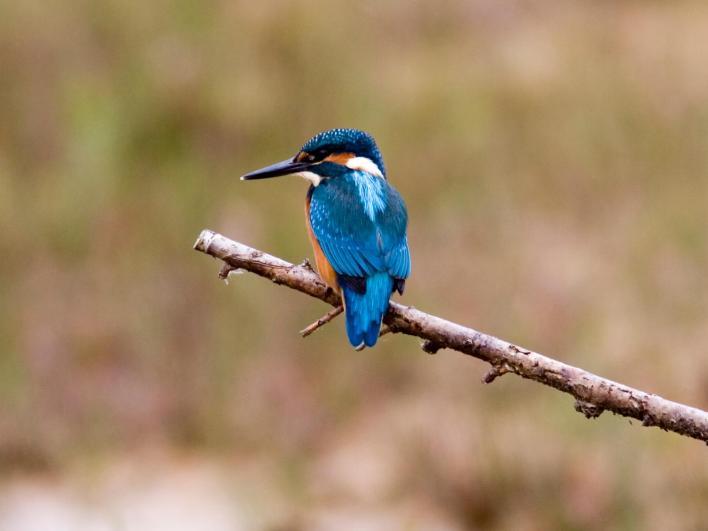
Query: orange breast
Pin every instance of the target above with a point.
(324, 268)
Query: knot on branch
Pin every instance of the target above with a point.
(647, 420)
(590, 410)
(431, 347)
(519, 350)
(307, 265)
(227, 270)
(497, 370)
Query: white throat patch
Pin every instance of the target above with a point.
(309, 176)
(364, 164)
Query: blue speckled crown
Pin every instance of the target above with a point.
(360, 143)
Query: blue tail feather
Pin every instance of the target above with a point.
(364, 311)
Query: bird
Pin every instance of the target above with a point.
(357, 225)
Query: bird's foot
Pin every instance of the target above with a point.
(326, 318)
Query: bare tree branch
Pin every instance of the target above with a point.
(593, 394)
(326, 318)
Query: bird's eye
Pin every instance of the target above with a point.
(304, 156)
(312, 157)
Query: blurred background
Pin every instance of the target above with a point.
(553, 156)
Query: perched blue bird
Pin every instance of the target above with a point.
(357, 224)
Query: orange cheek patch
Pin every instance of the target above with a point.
(339, 158)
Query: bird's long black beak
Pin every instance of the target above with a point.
(285, 167)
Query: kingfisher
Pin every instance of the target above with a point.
(356, 222)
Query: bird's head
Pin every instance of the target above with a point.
(328, 155)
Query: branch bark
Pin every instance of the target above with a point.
(593, 394)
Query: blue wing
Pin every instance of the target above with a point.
(362, 233)
(356, 243)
